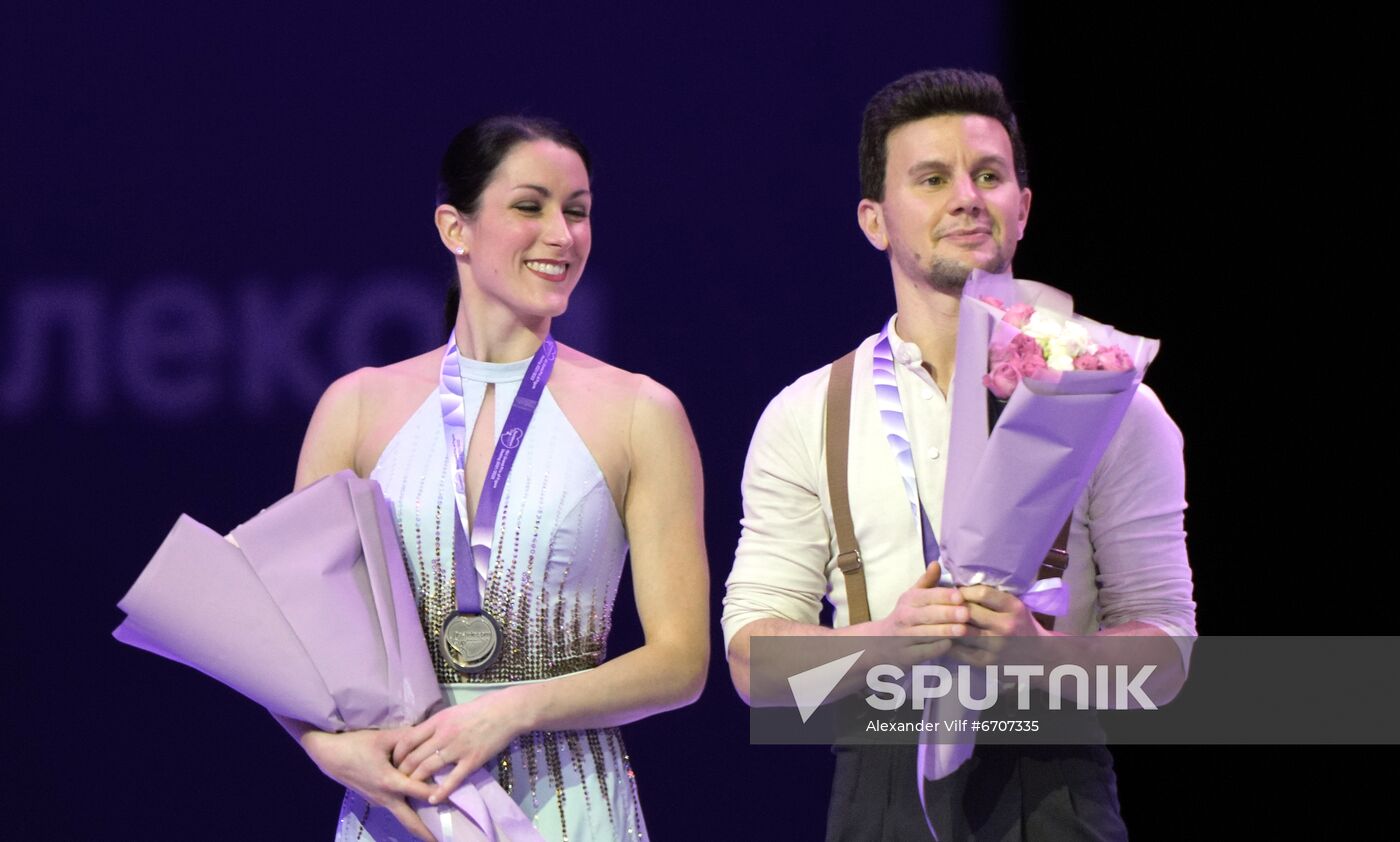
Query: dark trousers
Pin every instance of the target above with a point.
(1004, 793)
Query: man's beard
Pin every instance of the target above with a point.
(949, 276)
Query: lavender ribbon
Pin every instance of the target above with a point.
(897, 434)
(522, 411)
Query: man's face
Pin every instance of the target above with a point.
(952, 203)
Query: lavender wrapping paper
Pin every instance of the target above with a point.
(199, 603)
(311, 615)
(1007, 494)
(338, 591)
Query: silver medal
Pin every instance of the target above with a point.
(471, 643)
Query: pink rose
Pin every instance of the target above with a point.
(1024, 346)
(1031, 364)
(1087, 362)
(1001, 380)
(1026, 355)
(1000, 352)
(1018, 314)
(994, 301)
(1115, 359)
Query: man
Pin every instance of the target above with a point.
(944, 191)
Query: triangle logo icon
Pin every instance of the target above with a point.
(811, 687)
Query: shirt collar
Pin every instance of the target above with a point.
(911, 358)
(906, 353)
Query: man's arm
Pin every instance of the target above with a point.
(779, 574)
(1136, 514)
(1136, 517)
(926, 615)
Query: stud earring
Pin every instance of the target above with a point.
(461, 249)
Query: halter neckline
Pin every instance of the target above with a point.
(485, 372)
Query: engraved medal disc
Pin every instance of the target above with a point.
(471, 643)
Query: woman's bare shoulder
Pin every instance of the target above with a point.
(414, 375)
(607, 406)
(617, 392)
(604, 380)
(363, 409)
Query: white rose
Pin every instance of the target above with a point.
(1074, 338)
(1060, 361)
(1042, 326)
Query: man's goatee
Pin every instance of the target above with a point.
(948, 276)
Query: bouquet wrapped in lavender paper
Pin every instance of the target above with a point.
(1009, 489)
(307, 610)
(1062, 383)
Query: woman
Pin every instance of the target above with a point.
(605, 458)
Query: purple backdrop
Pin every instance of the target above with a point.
(209, 213)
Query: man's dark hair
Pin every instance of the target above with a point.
(931, 93)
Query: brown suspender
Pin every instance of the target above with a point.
(1054, 565)
(838, 438)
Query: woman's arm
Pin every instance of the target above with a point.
(331, 437)
(663, 513)
(328, 447)
(359, 760)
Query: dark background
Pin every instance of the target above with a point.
(218, 152)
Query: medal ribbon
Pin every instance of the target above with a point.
(522, 410)
(897, 435)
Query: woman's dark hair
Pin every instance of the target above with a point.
(472, 158)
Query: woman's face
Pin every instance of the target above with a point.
(528, 241)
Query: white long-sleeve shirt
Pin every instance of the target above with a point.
(1127, 547)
